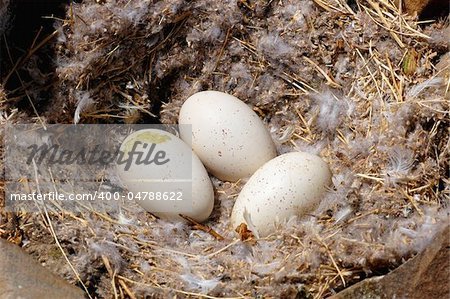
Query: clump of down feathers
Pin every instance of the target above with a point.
(383, 132)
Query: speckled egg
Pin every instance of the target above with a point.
(227, 135)
(291, 184)
(172, 180)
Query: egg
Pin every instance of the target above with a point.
(227, 135)
(289, 185)
(164, 176)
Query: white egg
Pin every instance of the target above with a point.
(228, 136)
(165, 177)
(291, 184)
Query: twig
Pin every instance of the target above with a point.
(155, 284)
(21, 82)
(202, 227)
(332, 260)
(111, 273)
(126, 289)
(223, 248)
(222, 49)
(330, 81)
(26, 57)
(53, 233)
(411, 200)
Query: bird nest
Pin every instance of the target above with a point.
(359, 83)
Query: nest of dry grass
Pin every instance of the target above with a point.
(363, 85)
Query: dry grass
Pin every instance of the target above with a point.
(358, 85)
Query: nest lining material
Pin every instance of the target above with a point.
(363, 86)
